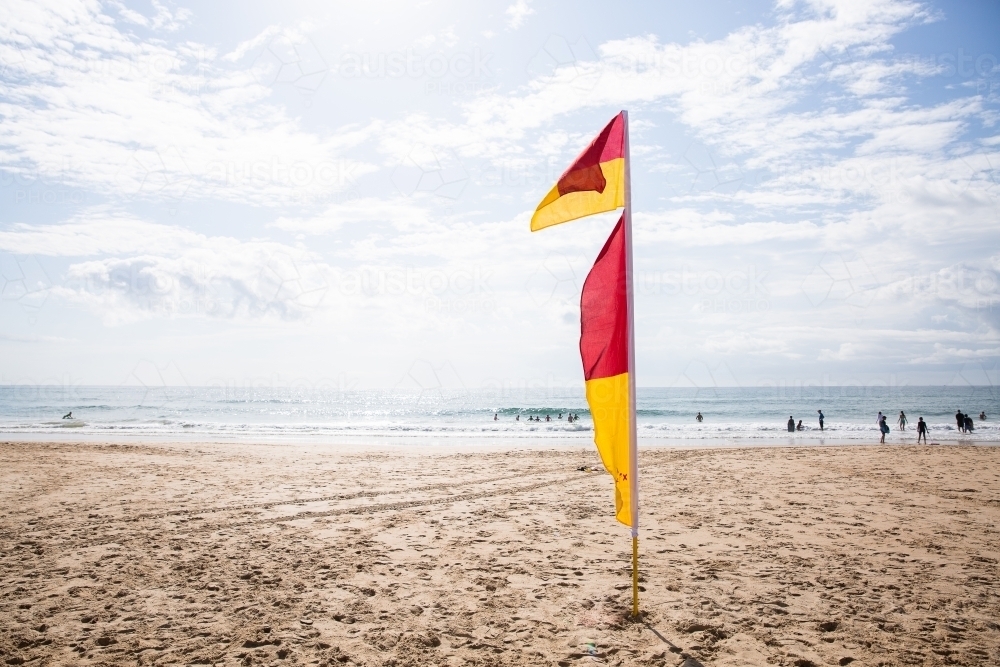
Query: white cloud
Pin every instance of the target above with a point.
(447, 38)
(97, 232)
(972, 286)
(403, 214)
(164, 19)
(102, 110)
(160, 270)
(739, 94)
(517, 13)
(221, 278)
(688, 227)
(742, 342)
(943, 354)
(258, 40)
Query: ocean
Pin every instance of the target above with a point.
(268, 414)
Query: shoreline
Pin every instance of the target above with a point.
(464, 442)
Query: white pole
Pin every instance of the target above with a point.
(633, 450)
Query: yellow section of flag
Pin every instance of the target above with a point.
(556, 208)
(609, 407)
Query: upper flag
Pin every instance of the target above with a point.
(594, 183)
(604, 349)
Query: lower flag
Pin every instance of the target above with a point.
(604, 343)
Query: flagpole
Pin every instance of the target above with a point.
(633, 450)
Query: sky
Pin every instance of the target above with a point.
(315, 194)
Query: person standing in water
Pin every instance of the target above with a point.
(901, 421)
(820, 419)
(959, 421)
(799, 426)
(921, 430)
(791, 424)
(884, 428)
(699, 418)
(982, 416)
(969, 425)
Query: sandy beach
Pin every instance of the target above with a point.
(299, 554)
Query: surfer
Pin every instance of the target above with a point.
(68, 415)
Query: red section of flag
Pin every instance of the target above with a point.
(585, 172)
(604, 311)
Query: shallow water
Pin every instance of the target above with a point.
(275, 414)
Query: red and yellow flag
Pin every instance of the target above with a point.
(594, 183)
(598, 181)
(604, 343)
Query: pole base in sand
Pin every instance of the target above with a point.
(635, 577)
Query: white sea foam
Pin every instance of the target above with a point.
(582, 430)
(663, 414)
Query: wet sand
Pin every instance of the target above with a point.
(299, 554)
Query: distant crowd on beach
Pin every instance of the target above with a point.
(533, 418)
(963, 423)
